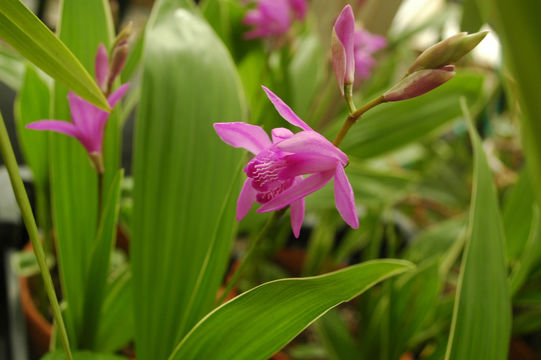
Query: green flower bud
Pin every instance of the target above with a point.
(447, 51)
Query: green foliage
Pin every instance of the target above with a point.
(482, 316)
(28, 35)
(185, 178)
(252, 327)
(83, 25)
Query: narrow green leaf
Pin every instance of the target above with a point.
(11, 68)
(517, 23)
(259, 322)
(185, 178)
(32, 104)
(83, 25)
(518, 215)
(336, 337)
(98, 268)
(482, 315)
(375, 134)
(28, 35)
(530, 254)
(116, 326)
(82, 355)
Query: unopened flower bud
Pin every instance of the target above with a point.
(447, 51)
(343, 56)
(123, 36)
(419, 83)
(118, 59)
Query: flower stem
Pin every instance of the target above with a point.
(24, 204)
(354, 116)
(264, 232)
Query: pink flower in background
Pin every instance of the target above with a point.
(365, 45)
(273, 17)
(275, 173)
(88, 121)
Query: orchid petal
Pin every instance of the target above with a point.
(83, 113)
(298, 191)
(312, 142)
(101, 67)
(117, 94)
(279, 134)
(59, 126)
(344, 199)
(302, 164)
(285, 111)
(299, 7)
(297, 216)
(246, 199)
(242, 135)
(344, 29)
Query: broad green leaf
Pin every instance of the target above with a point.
(116, 326)
(83, 26)
(259, 322)
(98, 269)
(517, 24)
(28, 35)
(482, 315)
(336, 337)
(185, 177)
(471, 17)
(376, 132)
(82, 355)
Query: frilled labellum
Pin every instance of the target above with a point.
(419, 83)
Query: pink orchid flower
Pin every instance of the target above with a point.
(273, 17)
(275, 173)
(88, 120)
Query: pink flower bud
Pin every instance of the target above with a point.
(343, 56)
(419, 83)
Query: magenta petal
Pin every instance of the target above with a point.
(299, 7)
(302, 164)
(311, 142)
(280, 134)
(285, 111)
(63, 127)
(297, 216)
(101, 67)
(246, 199)
(344, 28)
(82, 112)
(242, 135)
(338, 61)
(298, 191)
(117, 94)
(344, 199)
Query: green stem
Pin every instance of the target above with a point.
(43, 210)
(353, 117)
(100, 196)
(24, 204)
(264, 232)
